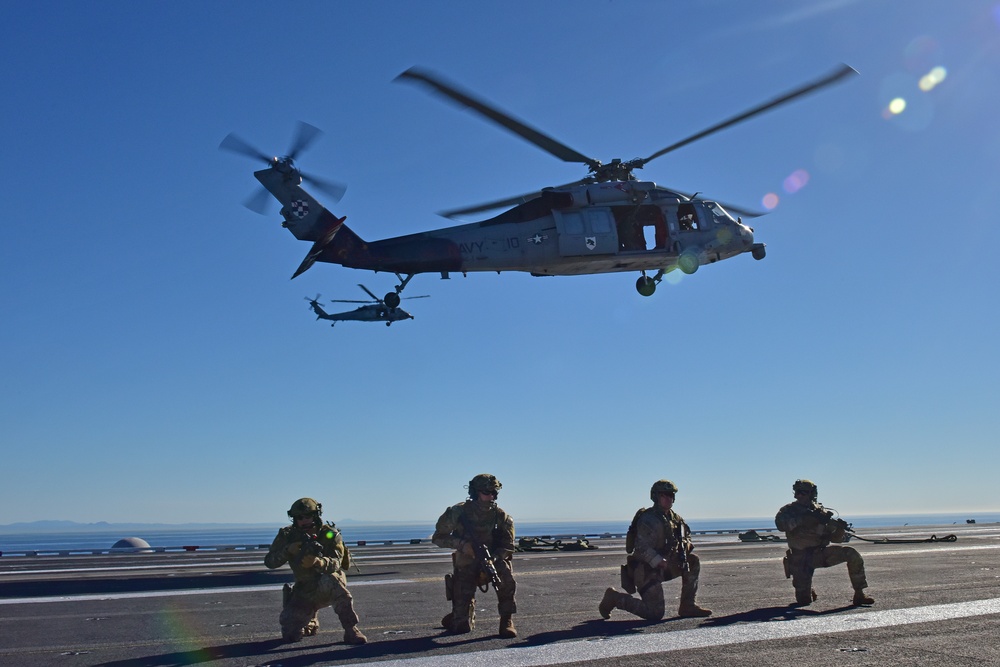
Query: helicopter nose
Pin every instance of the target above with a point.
(746, 235)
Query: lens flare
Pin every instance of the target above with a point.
(899, 103)
(674, 277)
(176, 627)
(896, 107)
(933, 78)
(796, 181)
(920, 54)
(770, 201)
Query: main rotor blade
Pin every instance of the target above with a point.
(419, 296)
(840, 73)
(305, 134)
(543, 141)
(369, 292)
(509, 201)
(489, 206)
(732, 208)
(235, 144)
(350, 301)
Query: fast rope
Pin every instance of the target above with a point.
(886, 540)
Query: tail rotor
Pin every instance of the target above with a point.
(305, 136)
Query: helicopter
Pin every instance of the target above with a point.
(376, 310)
(597, 224)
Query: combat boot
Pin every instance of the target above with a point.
(608, 602)
(292, 635)
(804, 597)
(507, 630)
(463, 625)
(692, 610)
(354, 636)
(860, 599)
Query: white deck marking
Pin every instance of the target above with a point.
(608, 648)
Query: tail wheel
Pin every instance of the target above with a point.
(645, 286)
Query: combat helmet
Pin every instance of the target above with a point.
(807, 486)
(485, 483)
(305, 507)
(662, 486)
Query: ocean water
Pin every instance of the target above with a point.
(84, 539)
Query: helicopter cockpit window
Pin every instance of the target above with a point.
(687, 217)
(720, 216)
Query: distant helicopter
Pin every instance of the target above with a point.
(594, 225)
(375, 311)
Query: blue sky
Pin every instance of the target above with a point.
(158, 364)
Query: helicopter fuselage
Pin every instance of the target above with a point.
(375, 312)
(585, 229)
(372, 313)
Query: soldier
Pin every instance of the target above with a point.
(810, 528)
(319, 558)
(468, 527)
(659, 547)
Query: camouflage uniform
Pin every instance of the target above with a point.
(810, 528)
(661, 536)
(494, 528)
(319, 568)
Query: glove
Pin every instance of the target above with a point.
(311, 551)
(328, 565)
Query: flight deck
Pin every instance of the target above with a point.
(937, 603)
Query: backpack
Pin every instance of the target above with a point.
(630, 535)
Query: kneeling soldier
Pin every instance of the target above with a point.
(482, 536)
(810, 528)
(318, 557)
(659, 547)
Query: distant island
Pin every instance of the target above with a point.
(101, 526)
(56, 526)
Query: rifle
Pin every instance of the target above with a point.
(487, 562)
(309, 546)
(682, 551)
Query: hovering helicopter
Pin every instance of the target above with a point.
(593, 225)
(376, 310)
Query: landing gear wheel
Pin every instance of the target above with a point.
(759, 252)
(392, 300)
(645, 286)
